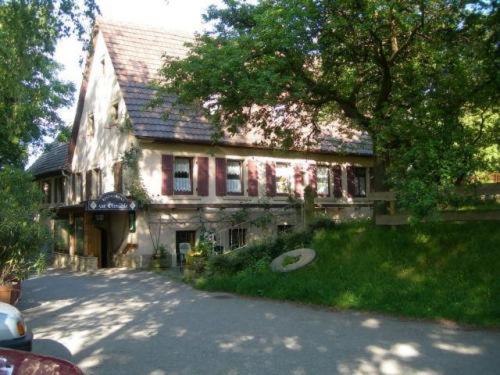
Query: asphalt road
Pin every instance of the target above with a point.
(125, 322)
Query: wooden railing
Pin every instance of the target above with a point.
(393, 218)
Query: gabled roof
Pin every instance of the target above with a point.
(137, 53)
(51, 161)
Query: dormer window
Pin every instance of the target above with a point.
(90, 124)
(114, 114)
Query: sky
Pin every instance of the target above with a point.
(185, 15)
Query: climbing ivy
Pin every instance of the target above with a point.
(133, 182)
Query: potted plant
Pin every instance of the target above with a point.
(161, 258)
(23, 233)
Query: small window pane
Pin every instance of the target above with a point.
(323, 181)
(283, 179)
(182, 175)
(233, 176)
(360, 182)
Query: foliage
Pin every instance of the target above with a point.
(239, 260)
(30, 89)
(22, 232)
(438, 270)
(290, 260)
(133, 181)
(321, 223)
(419, 77)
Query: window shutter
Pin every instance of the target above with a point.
(202, 176)
(253, 179)
(350, 181)
(220, 177)
(312, 178)
(167, 175)
(299, 180)
(337, 181)
(270, 179)
(117, 173)
(88, 185)
(73, 187)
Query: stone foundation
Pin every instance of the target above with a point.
(75, 262)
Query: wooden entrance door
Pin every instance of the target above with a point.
(181, 236)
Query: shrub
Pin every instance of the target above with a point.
(22, 232)
(237, 261)
(321, 222)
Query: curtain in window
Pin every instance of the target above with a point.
(233, 180)
(322, 181)
(182, 177)
(282, 179)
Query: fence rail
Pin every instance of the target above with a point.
(394, 218)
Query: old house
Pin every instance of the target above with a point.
(122, 152)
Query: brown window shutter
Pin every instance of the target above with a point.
(118, 176)
(337, 181)
(88, 185)
(202, 176)
(299, 180)
(312, 177)
(253, 179)
(220, 177)
(270, 179)
(73, 187)
(167, 175)
(351, 187)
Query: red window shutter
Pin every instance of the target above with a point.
(167, 175)
(253, 179)
(350, 181)
(270, 179)
(202, 176)
(312, 177)
(220, 177)
(299, 180)
(337, 181)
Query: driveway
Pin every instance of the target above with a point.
(126, 322)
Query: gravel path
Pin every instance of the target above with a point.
(125, 322)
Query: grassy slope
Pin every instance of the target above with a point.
(445, 270)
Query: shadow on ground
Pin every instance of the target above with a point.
(117, 322)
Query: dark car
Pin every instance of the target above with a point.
(14, 362)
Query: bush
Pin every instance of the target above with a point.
(321, 223)
(238, 261)
(22, 232)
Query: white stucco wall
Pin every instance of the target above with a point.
(109, 141)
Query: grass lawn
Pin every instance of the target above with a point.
(436, 270)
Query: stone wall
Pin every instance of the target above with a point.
(75, 262)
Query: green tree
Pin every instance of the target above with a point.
(418, 76)
(22, 229)
(30, 89)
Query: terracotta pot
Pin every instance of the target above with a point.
(10, 293)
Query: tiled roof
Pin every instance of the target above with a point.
(137, 53)
(52, 160)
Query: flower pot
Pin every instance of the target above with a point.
(10, 293)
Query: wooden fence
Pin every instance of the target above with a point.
(394, 218)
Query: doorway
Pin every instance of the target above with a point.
(104, 249)
(181, 236)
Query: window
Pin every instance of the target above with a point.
(90, 124)
(283, 179)
(59, 190)
(47, 193)
(79, 187)
(183, 182)
(97, 183)
(233, 177)
(237, 237)
(118, 177)
(360, 182)
(323, 181)
(114, 114)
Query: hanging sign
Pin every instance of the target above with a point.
(111, 202)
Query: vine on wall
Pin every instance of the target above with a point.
(133, 182)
